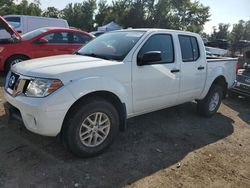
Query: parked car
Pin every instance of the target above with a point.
(23, 24)
(242, 83)
(87, 97)
(41, 42)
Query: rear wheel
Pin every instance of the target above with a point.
(211, 103)
(91, 128)
(13, 60)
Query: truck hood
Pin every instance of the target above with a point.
(6, 26)
(64, 67)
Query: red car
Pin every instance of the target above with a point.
(42, 42)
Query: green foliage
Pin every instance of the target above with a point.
(7, 7)
(80, 15)
(172, 14)
(222, 33)
(241, 31)
(51, 12)
(24, 7)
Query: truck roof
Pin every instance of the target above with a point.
(157, 30)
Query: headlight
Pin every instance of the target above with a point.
(42, 87)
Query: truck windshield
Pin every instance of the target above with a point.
(34, 33)
(112, 46)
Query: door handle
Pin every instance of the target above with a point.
(201, 68)
(175, 70)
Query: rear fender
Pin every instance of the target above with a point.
(213, 74)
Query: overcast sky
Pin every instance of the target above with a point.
(222, 11)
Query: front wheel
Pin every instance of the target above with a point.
(91, 128)
(210, 104)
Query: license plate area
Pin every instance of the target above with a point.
(12, 83)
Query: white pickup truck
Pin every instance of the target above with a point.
(87, 97)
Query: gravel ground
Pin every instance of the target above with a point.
(168, 148)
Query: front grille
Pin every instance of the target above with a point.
(242, 79)
(16, 84)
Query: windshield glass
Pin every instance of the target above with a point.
(112, 45)
(14, 21)
(34, 33)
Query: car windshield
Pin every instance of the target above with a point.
(112, 45)
(34, 33)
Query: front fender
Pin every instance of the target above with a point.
(84, 86)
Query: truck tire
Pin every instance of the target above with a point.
(210, 104)
(13, 60)
(91, 128)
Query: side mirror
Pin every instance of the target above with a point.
(149, 58)
(42, 41)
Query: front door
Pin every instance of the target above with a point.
(156, 84)
(58, 44)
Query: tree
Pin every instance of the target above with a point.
(7, 7)
(172, 14)
(51, 12)
(26, 8)
(103, 14)
(80, 15)
(241, 31)
(222, 33)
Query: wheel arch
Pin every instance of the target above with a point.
(221, 81)
(106, 95)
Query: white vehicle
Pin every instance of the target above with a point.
(23, 24)
(87, 97)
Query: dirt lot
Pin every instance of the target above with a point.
(168, 148)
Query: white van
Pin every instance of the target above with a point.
(23, 24)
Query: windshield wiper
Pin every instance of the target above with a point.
(77, 53)
(96, 55)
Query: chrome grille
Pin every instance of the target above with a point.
(242, 79)
(16, 84)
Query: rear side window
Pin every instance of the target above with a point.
(57, 38)
(189, 48)
(79, 38)
(15, 22)
(162, 43)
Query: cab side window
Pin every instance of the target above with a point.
(189, 48)
(162, 43)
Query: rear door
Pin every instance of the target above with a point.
(193, 68)
(156, 84)
(77, 40)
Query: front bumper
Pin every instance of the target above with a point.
(43, 116)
